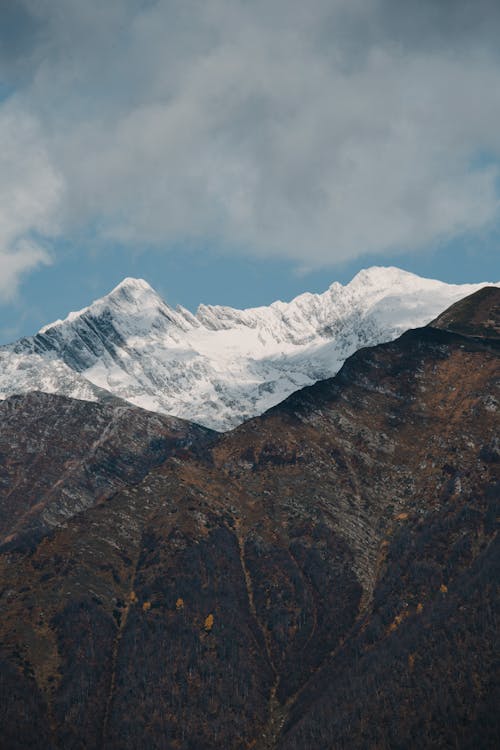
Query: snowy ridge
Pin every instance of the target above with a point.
(221, 365)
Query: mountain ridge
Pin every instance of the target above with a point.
(323, 576)
(219, 366)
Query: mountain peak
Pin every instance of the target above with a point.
(131, 284)
(129, 293)
(386, 276)
(132, 290)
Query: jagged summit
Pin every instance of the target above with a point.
(132, 291)
(131, 283)
(220, 365)
(129, 295)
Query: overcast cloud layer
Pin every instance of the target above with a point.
(315, 131)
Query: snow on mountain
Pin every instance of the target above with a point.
(222, 365)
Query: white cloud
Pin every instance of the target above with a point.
(317, 132)
(13, 264)
(30, 191)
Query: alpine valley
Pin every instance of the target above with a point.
(323, 576)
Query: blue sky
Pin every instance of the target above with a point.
(203, 275)
(234, 153)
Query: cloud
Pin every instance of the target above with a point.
(13, 264)
(30, 191)
(316, 132)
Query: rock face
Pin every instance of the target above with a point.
(60, 456)
(220, 366)
(321, 577)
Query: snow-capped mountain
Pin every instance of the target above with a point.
(221, 365)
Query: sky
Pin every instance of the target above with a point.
(240, 151)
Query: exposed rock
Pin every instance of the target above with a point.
(60, 456)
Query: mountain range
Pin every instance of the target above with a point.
(220, 366)
(322, 576)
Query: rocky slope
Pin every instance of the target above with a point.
(323, 576)
(220, 366)
(60, 456)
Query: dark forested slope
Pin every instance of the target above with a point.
(321, 577)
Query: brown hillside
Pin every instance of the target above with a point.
(321, 577)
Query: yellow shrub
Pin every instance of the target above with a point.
(209, 623)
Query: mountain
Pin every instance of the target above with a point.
(60, 456)
(220, 366)
(323, 576)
